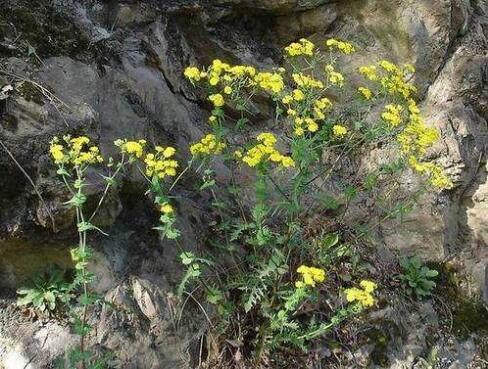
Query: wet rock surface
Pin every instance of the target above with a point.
(114, 69)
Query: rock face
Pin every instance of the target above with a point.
(113, 69)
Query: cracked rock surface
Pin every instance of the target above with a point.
(113, 69)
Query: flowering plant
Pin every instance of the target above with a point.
(317, 128)
(288, 285)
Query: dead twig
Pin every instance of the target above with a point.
(55, 101)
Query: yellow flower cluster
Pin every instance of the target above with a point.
(57, 153)
(302, 124)
(222, 73)
(298, 95)
(193, 74)
(366, 93)
(303, 47)
(392, 115)
(344, 47)
(395, 83)
(207, 145)
(305, 121)
(394, 80)
(166, 208)
(310, 276)
(133, 148)
(414, 140)
(265, 151)
(217, 100)
(230, 78)
(160, 163)
(388, 66)
(363, 296)
(391, 77)
(73, 152)
(271, 82)
(436, 176)
(339, 131)
(369, 72)
(304, 81)
(416, 137)
(335, 77)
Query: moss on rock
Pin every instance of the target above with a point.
(31, 92)
(468, 315)
(39, 25)
(380, 339)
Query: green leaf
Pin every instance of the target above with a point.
(187, 257)
(207, 184)
(77, 200)
(330, 240)
(79, 183)
(110, 180)
(62, 172)
(214, 295)
(431, 273)
(87, 226)
(350, 192)
(328, 202)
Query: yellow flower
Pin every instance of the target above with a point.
(304, 47)
(267, 138)
(339, 131)
(214, 79)
(218, 66)
(217, 100)
(227, 90)
(363, 296)
(207, 145)
(134, 148)
(169, 152)
(72, 151)
(272, 82)
(369, 72)
(344, 47)
(312, 126)
(299, 131)
(287, 162)
(212, 119)
(298, 95)
(335, 78)
(368, 286)
(265, 151)
(287, 99)
(291, 112)
(366, 92)
(436, 176)
(388, 66)
(77, 143)
(392, 115)
(193, 74)
(159, 164)
(323, 103)
(57, 153)
(310, 275)
(166, 208)
(304, 81)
